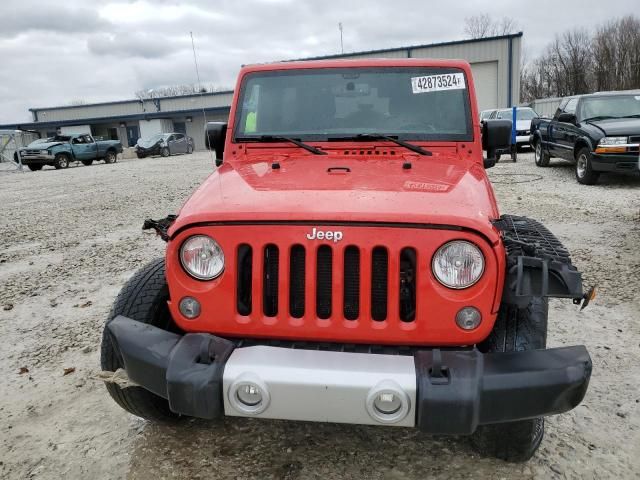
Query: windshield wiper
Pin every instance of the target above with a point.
(635, 115)
(599, 117)
(379, 136)
(276, 138)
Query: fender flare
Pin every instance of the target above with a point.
(582, 142)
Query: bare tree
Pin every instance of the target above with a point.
(483, 26)
(177, 90)
(580, 62)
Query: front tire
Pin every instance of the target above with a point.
(584, 168)
(515, 330)
(143, 298)
(165, 152)
(541, 157)
(110, 157)
(61, 161)
(189, 149)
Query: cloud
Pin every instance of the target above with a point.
(132, 45)
(100, 50)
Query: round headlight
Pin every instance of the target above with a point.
(458, 264)
(202, 257)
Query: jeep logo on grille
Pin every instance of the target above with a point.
(322, 235)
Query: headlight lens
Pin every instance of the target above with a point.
(458, 264)
(202, 257)
(613, 141)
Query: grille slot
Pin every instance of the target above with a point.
(379, 283)
(351, 307)
(297, 281)
(408, 282)
(324, 284)
(270, 281)
(243, 280)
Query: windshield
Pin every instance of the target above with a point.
(408, 103)
(611, 106)
(57, 138)
(521, 114)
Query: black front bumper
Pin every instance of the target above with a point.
(155, 150)
(618, 163)
(457, 390)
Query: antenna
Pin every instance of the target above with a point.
(204, 114)
(341, 44)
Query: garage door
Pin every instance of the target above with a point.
(485, 77)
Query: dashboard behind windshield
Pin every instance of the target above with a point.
(308, 104)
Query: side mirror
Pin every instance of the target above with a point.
(496, 135)
(567, 118)
(214, 137)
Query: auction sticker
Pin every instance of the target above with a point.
(436, 83)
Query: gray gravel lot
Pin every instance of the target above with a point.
(70, 238)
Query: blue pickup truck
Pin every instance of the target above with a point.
(61, 150)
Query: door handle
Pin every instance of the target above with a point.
(338, 170)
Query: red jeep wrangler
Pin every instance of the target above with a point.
(347, 262)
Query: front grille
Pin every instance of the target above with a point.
(357, 272)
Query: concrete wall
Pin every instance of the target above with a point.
(75, 129)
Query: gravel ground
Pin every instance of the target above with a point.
(70, 239)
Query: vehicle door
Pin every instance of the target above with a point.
(180, 143)
(83, 148)
(171, 143)
(562, 133)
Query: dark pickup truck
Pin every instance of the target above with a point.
(599, 132)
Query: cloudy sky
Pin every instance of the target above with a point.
(57, 52)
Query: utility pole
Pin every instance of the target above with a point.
(341, 44)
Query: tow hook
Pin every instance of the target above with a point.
(586, 298)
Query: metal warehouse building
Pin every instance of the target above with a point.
(495, 63)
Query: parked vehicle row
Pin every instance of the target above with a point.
(524, 116)
(599, 132)
(61, 150)
(164, 144)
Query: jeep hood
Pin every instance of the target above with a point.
(442, 190)
(618, 126)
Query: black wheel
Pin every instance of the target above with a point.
(541, 157)
(165, 152)
(515, 330)
(498, 157)
(189, 149)
(584, 168)
(143, 298)
(87, 163)
(61, 161)
(35, 167)
(110, 157)
(139, 155)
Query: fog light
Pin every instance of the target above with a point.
(249, 394)
(468, 318)
(387, 402)
(189, 307)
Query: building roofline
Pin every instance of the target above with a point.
(411, 47)
(120, 118)
(132, 100)
(320, 57)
